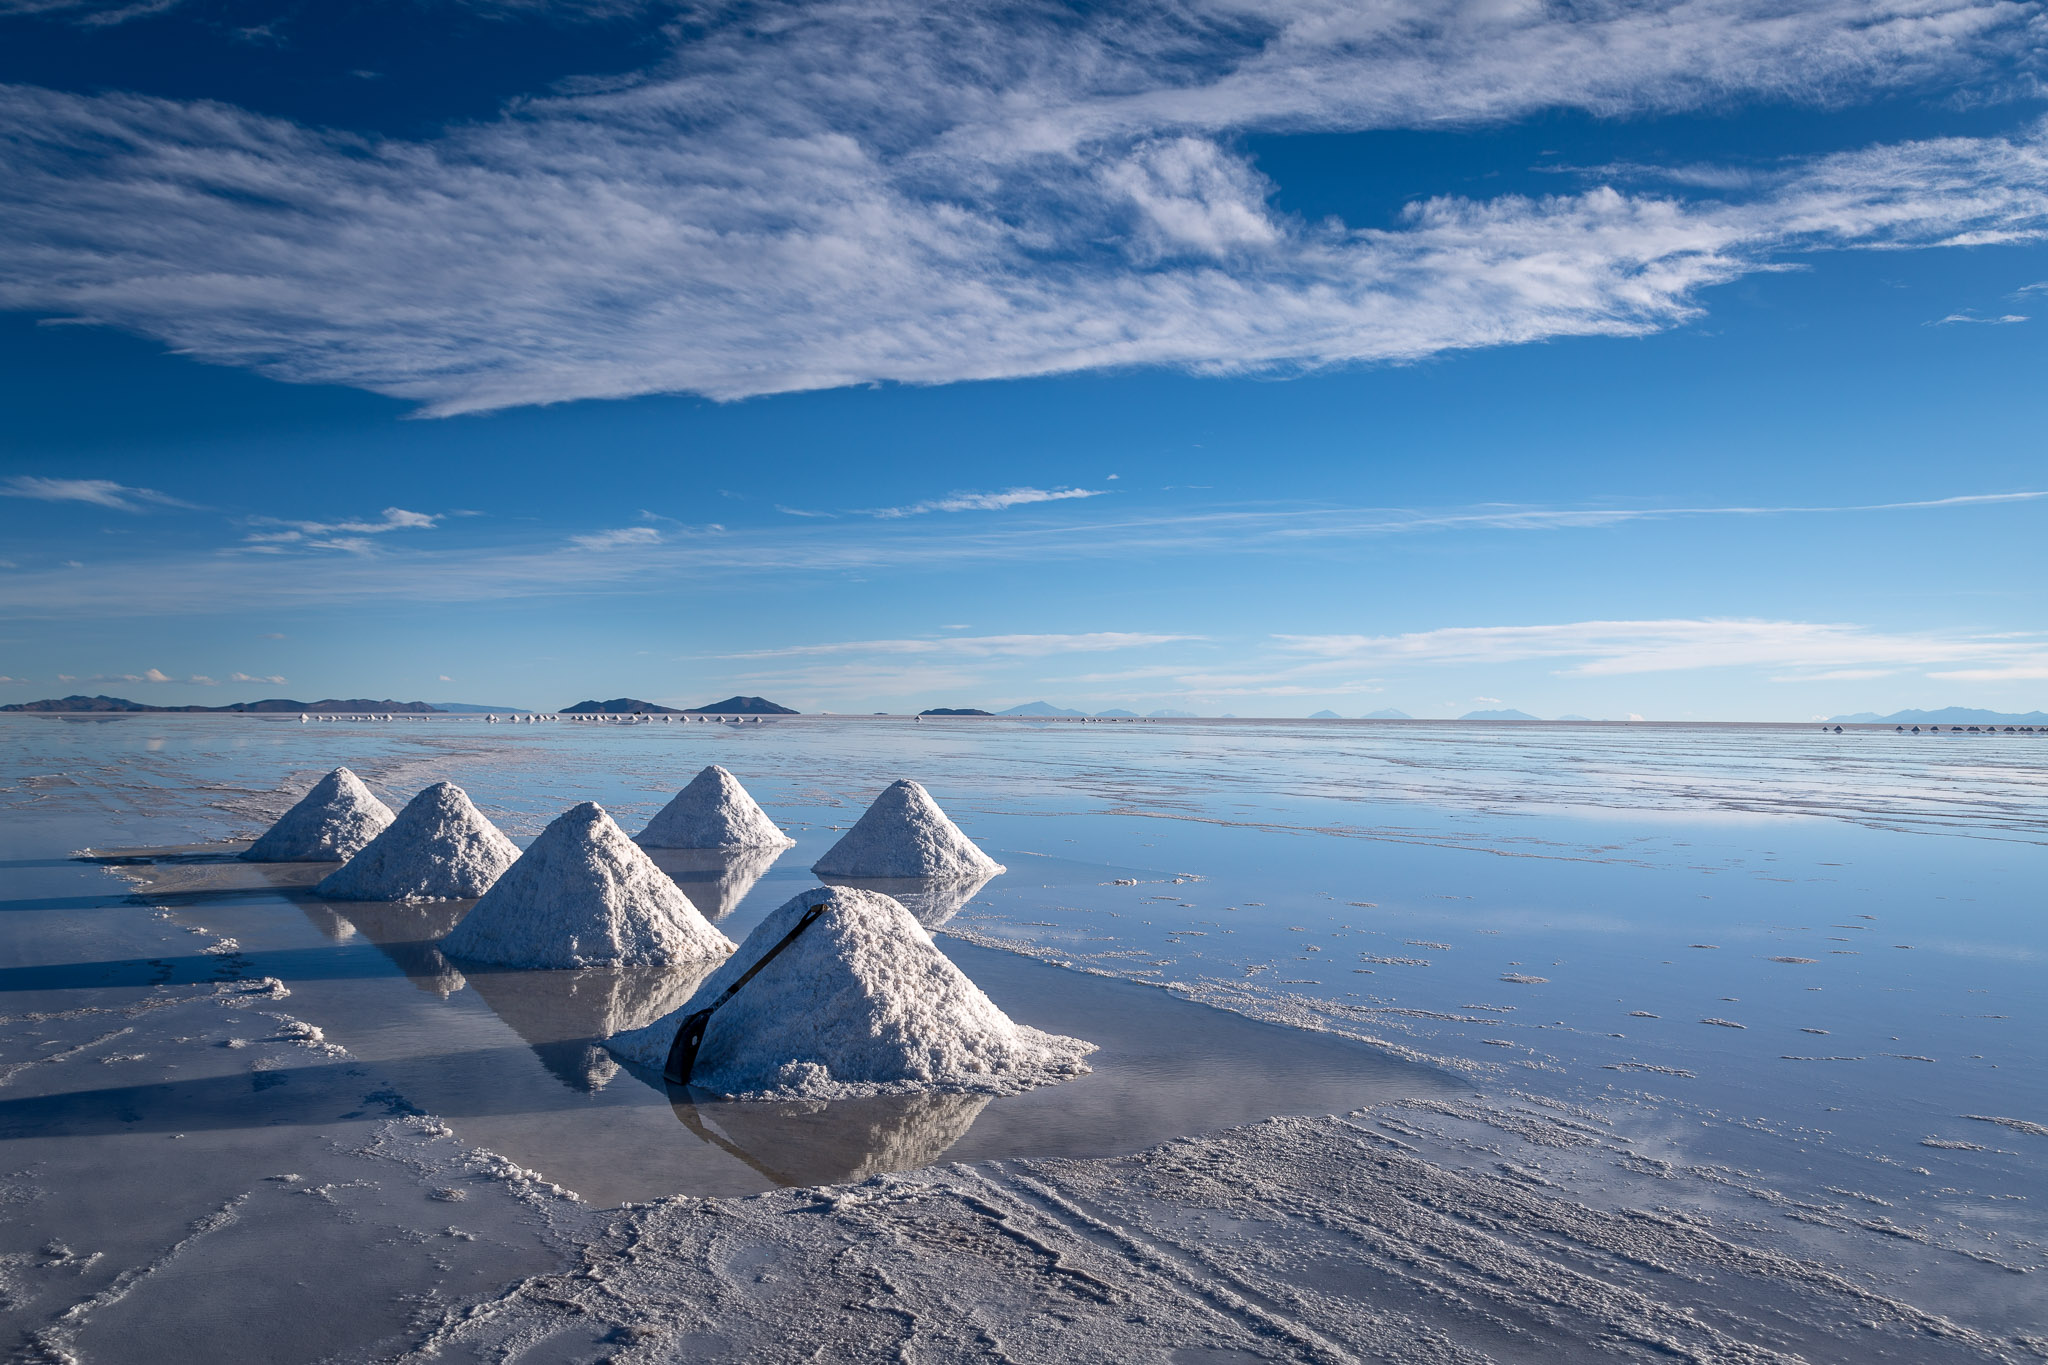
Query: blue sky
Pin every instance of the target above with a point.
(1674, 360)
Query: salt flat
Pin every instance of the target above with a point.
(1601, 1042)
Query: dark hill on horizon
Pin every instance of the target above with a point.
(347, 706)
(954, 711)
(629, 706)
(745, 706)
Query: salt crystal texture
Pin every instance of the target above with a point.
(714, 811)
(584, 895)
(330, 824)
(905, 834)
(862, 1003)
(438, 849)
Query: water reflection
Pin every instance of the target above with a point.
(409, 933)
(934, 900)
(562, 1015)
(715, 879)
(812, 1142)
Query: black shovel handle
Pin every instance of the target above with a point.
(682, 1053)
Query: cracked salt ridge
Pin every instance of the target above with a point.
(1415, 1232)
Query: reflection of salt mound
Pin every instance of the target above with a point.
(560, 1013)
(438, 849)
(934, 900)
(905, 834)
(409, 935)
(809, 1142)
(861, 1003)
(714, 811)
(715, 879)
(584, 895)
(330, 824)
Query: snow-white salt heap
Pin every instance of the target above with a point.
(905, 834)
(714, 811)
(584, 895)
(330, 824)
(862, 1003)
(438, 849)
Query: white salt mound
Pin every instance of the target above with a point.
(330, 824)
(905, 834)
(714, 811)
(862, 1003)
(933, 900)
(438, 849)
(584, 895)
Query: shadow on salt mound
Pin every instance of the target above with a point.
(861, 1003)
(714, 811)
(584, 895)
(905, 834)
(810, 1142)
(561, 1015)
(440, 848)
(715, 879)
(934, 900)
(329, 824)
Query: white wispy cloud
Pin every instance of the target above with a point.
(613, 540)
(809, 195)
(254, 678)
(351, 537)
(2002, 320)
(639, 558)
(98, 492)
(984, 502)
(1606, 648)
(977, 646)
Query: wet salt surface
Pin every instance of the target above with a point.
(1460, 891)
(511, 1059)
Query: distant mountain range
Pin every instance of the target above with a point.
(1947, 715)
(1326, 715)
(1388, 714)
(1039, 708)
(350, 706)
(955, 711)
(629, 706)
(1509, 714)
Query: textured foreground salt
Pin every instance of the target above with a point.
(584, 895)
(439, 848)
(714, 811)
(905, 834)
(862, 1003)
(330, 824)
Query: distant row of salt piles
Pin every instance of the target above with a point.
(863, 1002)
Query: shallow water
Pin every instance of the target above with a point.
(1806, 958)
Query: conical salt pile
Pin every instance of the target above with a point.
(330, 824)
(438, 849)
(905, 834)
(584, 895)
(861, 1003)
(714, 811)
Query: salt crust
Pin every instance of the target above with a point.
(584, 895)
(905, 834)
(438, 849)
(862, 1003)
(330, 824)
(714, 811)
